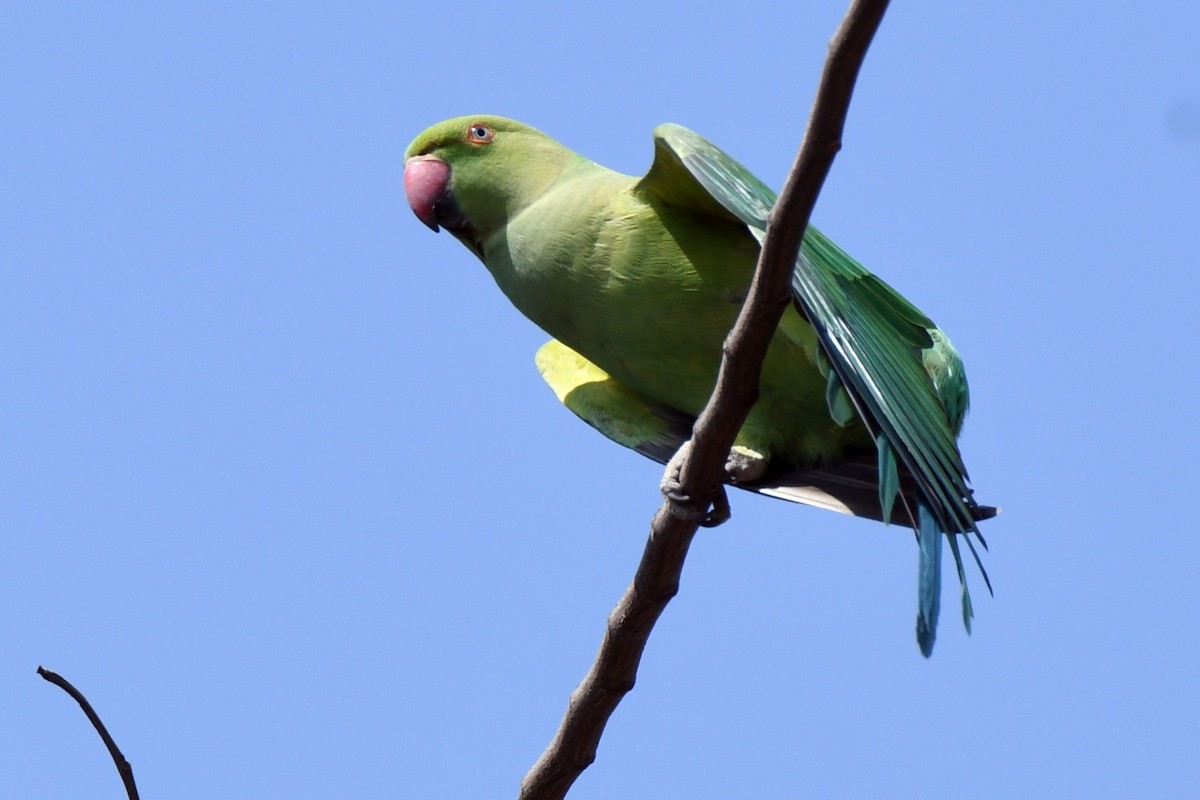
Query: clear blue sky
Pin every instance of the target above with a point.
(284, 494)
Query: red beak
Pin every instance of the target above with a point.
(426, 183)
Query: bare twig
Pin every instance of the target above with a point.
(613, 673)
(123, 766)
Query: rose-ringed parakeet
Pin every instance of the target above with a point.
(640, 279)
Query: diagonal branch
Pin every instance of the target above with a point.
(614, 671)
(123, 766)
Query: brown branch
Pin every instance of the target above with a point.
(123, 766)
(614, 671)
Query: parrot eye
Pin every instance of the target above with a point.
(480, 133)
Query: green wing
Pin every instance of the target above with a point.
(876, 342)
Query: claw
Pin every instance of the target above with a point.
(682, 505)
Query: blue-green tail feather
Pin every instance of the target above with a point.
(929, 577)
(968, 611)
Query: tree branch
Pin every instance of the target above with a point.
(614, 671)
(123, 766)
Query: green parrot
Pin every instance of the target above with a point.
(639, 280)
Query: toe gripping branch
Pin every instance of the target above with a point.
(705, 513)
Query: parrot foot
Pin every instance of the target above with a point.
(682, 505)
(745, 465)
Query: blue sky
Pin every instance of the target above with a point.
(285, 496)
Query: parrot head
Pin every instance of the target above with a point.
(470, 175)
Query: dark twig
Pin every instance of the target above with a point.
(613, 673)
(123, 766)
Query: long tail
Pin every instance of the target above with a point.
(929, 577)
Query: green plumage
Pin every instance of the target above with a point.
(640, 280)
